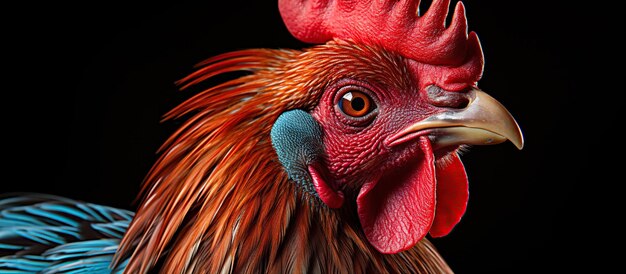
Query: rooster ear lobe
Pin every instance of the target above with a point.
(332, 198)
(297, 139)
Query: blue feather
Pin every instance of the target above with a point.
(49, 234)
(31, 234)
(51, 216)
(91, 213)
(82, 249)
(24, 264)
(10, 219)
(103, 211)
(13, 247)
(66, 209)
(114, 229)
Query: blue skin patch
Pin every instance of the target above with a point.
(297, 140)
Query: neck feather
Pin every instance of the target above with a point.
(218, 200)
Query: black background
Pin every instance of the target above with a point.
(85, 87)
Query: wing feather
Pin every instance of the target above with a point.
(50, 234)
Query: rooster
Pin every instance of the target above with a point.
(339, 158)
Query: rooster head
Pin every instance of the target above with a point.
(397, 100)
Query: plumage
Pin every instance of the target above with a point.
(48, 234)
(206, 221)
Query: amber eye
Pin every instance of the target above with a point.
(356, 104)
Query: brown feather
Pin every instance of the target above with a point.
(218, 200)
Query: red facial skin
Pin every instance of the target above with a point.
(355, 146)
(400, 185)
(397, 186)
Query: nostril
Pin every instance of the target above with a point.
(448, 99)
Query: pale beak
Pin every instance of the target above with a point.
(484, 121)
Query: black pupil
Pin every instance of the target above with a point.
(357, 104)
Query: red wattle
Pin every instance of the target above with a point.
(332, 198)
(397, 211)
(452, 196)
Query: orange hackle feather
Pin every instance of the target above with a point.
(218, 201)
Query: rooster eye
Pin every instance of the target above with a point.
(356, 104)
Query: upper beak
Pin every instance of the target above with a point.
(484, 121)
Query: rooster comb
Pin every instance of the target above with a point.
(394, 24)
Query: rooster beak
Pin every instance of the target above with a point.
(484, 121)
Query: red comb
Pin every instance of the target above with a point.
(393, 24)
